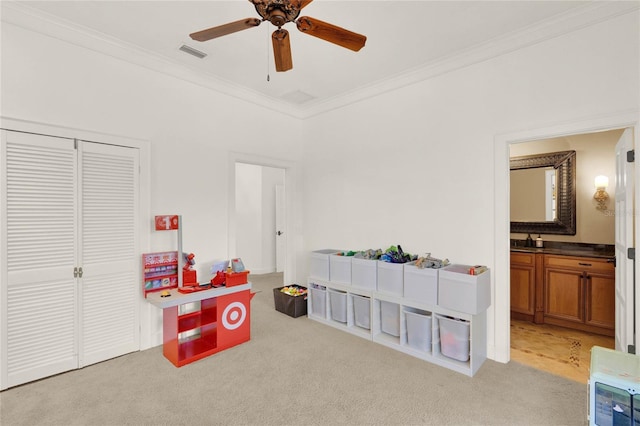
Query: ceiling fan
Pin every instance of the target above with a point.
(279, 12)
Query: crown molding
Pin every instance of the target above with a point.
(40, 22)
(564, 23)
(572, 20)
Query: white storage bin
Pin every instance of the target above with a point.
(459, 291)
(318, 300)
(421, 284)
(338, 300)
(364, 273)
(340, 269)
(418, 329)
(390, 318)
(454, 338)
(362, 311)
(319, 263)
(390, 278)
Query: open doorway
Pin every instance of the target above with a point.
(290, 243)
(499, 313)
(546, 330)
(260, 213)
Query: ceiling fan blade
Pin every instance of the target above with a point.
(282, 50)
(225, 29)
(304, 3)
(331, 33)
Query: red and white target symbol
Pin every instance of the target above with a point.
(234, 315)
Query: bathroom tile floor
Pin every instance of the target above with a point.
(557, 350)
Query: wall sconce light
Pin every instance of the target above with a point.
(601, 196)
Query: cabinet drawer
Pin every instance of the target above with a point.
(523, 258)
(581, 263)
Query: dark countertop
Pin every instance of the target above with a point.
(567, 249)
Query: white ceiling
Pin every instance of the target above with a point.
(403, 37)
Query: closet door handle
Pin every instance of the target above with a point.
(80, 272)
(75, 272)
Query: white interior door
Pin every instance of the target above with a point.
(624, 334)
(70, 287)
(108, 288)
(281, 236)
(39, 239)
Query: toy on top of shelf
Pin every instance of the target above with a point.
(189, 276)
(189, 261)
(427, 261)
(395, 254)
(237, 265)
(219, 279)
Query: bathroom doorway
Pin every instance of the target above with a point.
(560, 350)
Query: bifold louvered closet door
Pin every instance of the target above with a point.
(69, 292)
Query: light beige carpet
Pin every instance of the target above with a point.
(294, 371)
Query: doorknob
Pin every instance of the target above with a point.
(279, 233)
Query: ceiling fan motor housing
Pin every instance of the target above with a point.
(278, 12)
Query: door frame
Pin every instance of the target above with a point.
(291, 205)
(498, 320)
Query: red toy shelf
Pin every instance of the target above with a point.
(193, 320)
(193, 350)
(223, 320)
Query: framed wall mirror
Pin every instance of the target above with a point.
(543, 193)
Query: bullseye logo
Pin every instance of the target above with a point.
(233, 315)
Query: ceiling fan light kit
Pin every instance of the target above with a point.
(279, 13)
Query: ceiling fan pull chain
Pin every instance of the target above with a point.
(268, 39)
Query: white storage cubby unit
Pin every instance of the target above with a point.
(388, 322)
(325, 297)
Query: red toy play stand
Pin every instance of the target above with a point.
(199, 321)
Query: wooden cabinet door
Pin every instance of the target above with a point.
(563, 292)
(523, 289)
(600, 300)
(523, 285)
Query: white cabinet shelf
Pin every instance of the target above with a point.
(319, 309)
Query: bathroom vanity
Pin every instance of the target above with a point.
(566, 284)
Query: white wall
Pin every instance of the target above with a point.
(192, 132)
(416, 166)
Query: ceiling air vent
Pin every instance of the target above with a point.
(298, 97)
(192, 51)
